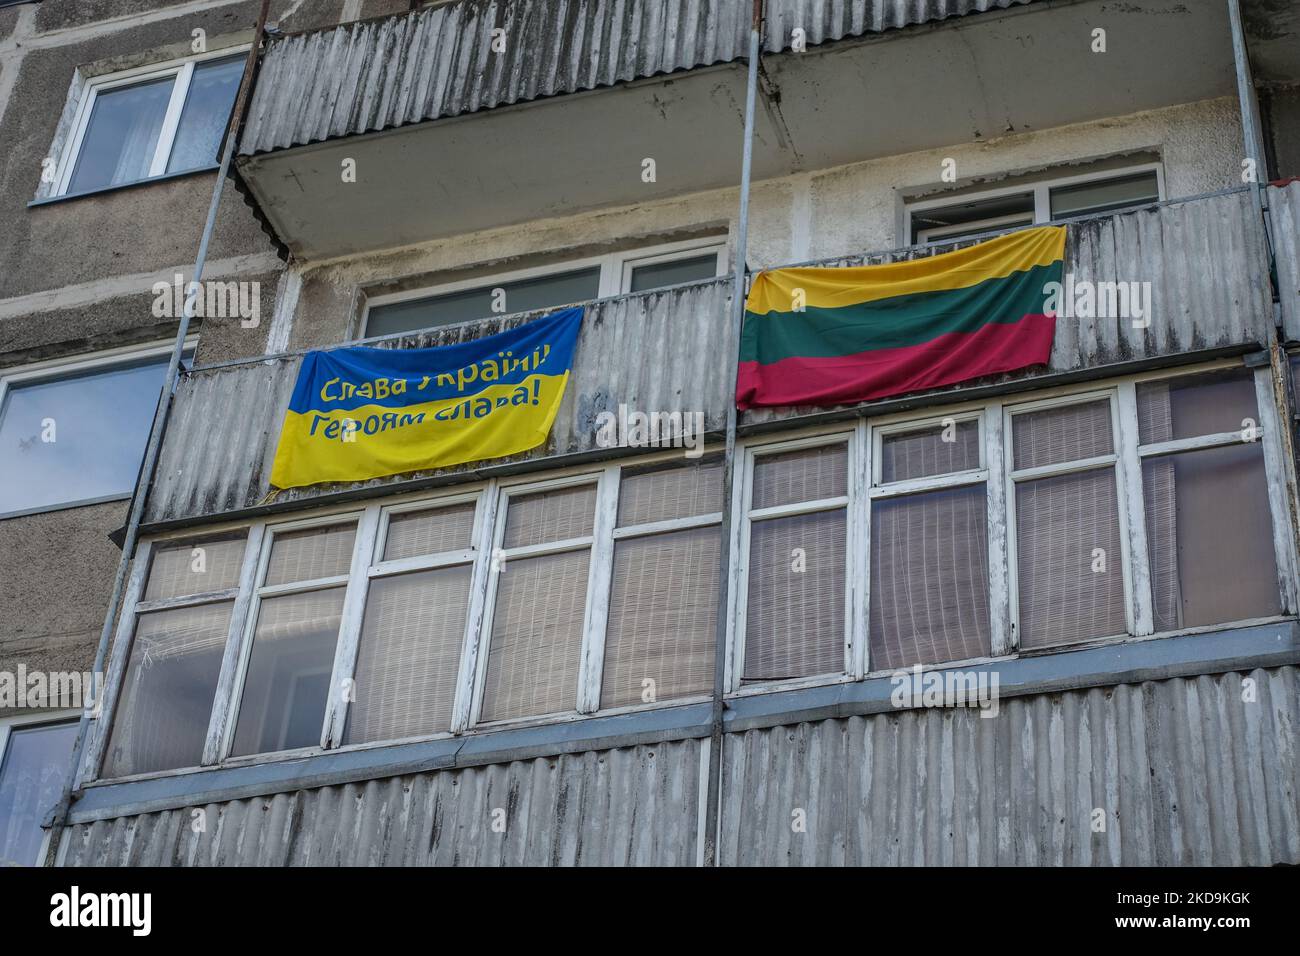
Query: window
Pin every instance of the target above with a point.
(1138, 508)
(1064, 502)
(148, 123)
(35, 758)
(546, 288)
(1209, 528)
(797, 535)
(941, 219)
(74, 432)
(929, 558)
(171, 675)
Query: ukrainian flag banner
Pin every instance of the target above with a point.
(363, 413)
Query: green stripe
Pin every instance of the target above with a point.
(896, 322)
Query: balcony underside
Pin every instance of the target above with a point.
(959, 81)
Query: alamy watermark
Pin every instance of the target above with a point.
(1085, 299)
(212, 300)
(948, 688)
(632, 428)
(57, 690)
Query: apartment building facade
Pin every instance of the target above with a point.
(513, 660)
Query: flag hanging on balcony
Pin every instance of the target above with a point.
(361, 413)
(825, 336)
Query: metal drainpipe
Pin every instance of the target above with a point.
(58, 818)
(1278, 364)
(712, 805)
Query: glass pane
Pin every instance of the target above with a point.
(414, 533)
(78, 438)
(1196, 405)
(206, 112)
(410, 651)
(37, 761)
(1069, 558)
(662, 618)
(657, 275)
(523, 295)
(195, 567)
(1061, 434)
(285, 691)
(807, 475)
(550, 516)
(929, 579)
(1210, 537)
(1104, 195)
(975, 212)
(940, 450)
(171, 680)
(122, 135)
(795, 619)
(536, 637)
(311, 553)
(681, 492)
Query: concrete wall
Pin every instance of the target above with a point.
(820, 214)
(75, 275)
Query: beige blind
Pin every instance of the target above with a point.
(929, 578)
(550, 516)
(166, 701)
(409, 655)
(1061, 434)
(1192, 405)
(795, 618)
(923, 453)
(176, 571)
(1060, 521)
(311, 553)
(536, 636)
(805, 475)
(283, 702)
(680, 492)
(662, 617)
(1211, 563)
(414, 533)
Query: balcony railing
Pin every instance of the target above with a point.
(1205, 258)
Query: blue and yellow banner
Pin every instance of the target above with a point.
(363, 413)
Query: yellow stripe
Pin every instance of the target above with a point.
(830, 288)
(499, 420)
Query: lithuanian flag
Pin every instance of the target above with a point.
(822, 336)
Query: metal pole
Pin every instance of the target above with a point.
(713, 796)
(59, 815)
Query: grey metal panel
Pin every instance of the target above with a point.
(383, 73)
(654, 351)
(1284, 211)
(634, 805)
(1185, 772)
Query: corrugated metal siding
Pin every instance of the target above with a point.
(1185, 771)
(661, 351)
(631, 806)
(1284, 211)
(378, 74)
(654, 351)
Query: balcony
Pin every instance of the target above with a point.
(449, 137)
(1205, 258)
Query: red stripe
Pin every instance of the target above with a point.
(946, 360)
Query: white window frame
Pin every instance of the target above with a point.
(72, 367)
(26, 721)
(615, 273)
(863, 438)
(855, 584)
(1041, 192)
(183, 72)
